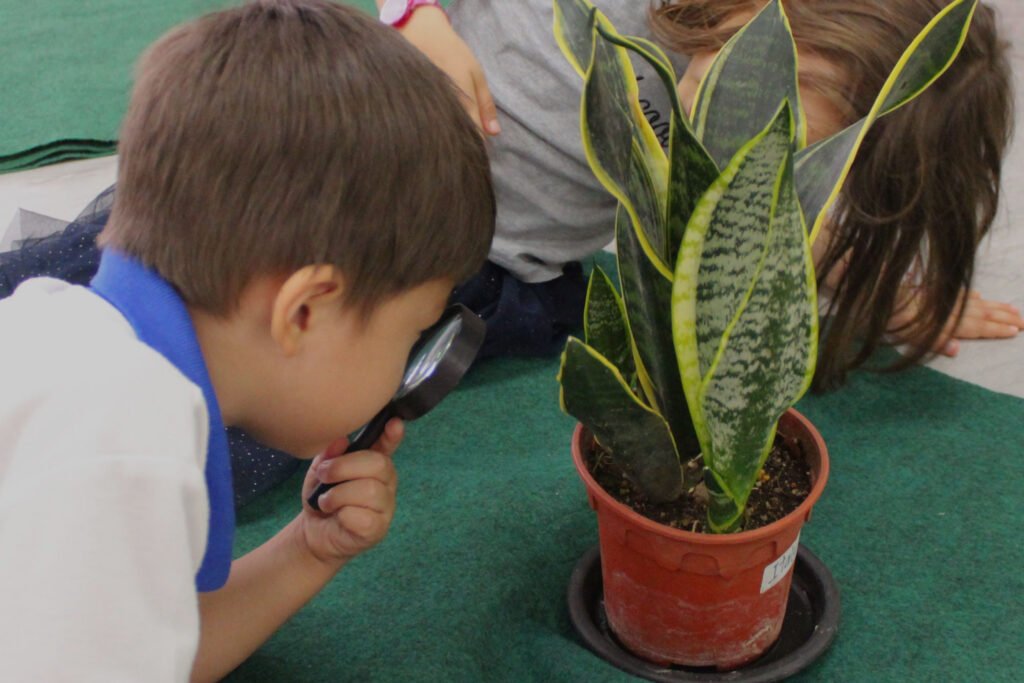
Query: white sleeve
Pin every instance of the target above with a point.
(99, 547)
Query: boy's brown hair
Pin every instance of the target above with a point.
(287, 133)
(925, 186)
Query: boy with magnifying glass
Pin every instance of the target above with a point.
(294, 207)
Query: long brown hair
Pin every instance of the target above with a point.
(925, 187)
(286, 133)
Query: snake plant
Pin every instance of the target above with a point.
(711, 334)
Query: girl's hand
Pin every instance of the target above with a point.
(358, 511)
(430, 31)
(982, 319)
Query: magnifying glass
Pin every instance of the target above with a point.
(436, 365)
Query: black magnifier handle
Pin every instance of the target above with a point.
(366, 437)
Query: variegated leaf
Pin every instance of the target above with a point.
(740, 93)
(734, 243)
(822, 168)
(767, 358)
(596, 394)
(722, 250)
(604, 322)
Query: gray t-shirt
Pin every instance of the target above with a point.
(551, 208)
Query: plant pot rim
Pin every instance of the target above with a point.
(751, 536)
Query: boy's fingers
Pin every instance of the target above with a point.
(359, 465)
(361, 493)
(336, 448)
(364, 524)
(394, 432)
(332, 451)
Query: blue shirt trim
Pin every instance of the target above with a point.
(161, 321)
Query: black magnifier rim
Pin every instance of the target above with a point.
(450, 368)
(432, 389)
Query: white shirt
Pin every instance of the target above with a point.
(103, 504)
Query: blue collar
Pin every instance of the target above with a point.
(160, 320)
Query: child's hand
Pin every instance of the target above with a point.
(356, 512)
(430, 31)
(982, 319)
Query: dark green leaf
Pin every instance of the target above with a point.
(574, 32)
(639, 439)
(648, 298)
(604, 321)
(740, 93)
(691, 169)
(620, 144)
(822, 168)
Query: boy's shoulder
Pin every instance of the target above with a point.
(75, 365)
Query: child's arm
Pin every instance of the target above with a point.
(430, 31)
(271, 583)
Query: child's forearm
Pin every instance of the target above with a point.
(283, 574)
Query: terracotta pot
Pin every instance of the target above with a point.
(679, 597)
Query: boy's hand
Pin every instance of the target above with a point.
(357, 512)
(430, 31)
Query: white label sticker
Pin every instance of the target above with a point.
(778, 569)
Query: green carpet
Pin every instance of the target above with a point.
(920, 525)
(67, 70)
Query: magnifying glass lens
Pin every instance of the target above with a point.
(428, 356)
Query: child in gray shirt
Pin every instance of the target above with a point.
(552, 211)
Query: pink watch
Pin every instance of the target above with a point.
(397, 12)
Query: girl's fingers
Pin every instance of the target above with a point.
(485, 104)
(1003, 317)
(989, 320)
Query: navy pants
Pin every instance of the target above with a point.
(524, 319)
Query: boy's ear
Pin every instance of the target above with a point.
(301, 301)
